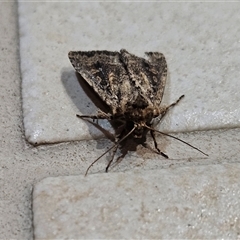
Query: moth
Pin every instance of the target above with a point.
(131, 86)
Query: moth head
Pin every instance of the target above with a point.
(142, 115)
(138, 118)
(139, 130)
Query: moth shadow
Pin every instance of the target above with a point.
(86, 100)
(81, 94)
(126, 147)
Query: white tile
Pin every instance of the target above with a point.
(190, 202)
(200, 41)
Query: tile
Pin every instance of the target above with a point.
(200, 42)
(190, 202)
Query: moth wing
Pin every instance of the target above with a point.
(103, 71)
(148, 76)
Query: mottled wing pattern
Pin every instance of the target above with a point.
(103, 71)
(148, 77)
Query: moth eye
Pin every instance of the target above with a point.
(155, 112)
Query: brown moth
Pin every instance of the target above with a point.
(131, 86)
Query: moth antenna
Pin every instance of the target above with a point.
(99, 158)
(116, 144)
(176, 139)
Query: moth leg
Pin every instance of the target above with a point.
(170, 106)
(115, 149)
(110, 162)
(156, 146)
(99, 115)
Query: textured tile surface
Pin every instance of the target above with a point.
(199, 40)
(190, 202)
(22, 166)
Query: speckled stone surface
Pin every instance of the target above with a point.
(22, 166)
(200, 42)
(191, 202)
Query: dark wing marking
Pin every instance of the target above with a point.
(148, 77)
(103, 71)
